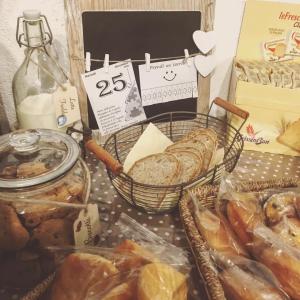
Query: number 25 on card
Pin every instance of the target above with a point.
(119, 85)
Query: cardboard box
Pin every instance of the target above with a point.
(273, 108)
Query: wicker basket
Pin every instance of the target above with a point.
(207, 196)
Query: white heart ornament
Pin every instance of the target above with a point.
(205, 64)
(205, 41)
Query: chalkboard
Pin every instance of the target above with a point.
(131, 34)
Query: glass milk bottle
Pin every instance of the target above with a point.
(39, 76)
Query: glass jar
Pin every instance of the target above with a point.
(42, 177)
(44, 184)
(39, 75)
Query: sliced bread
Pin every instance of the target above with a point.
(156, 169)
(191, 164)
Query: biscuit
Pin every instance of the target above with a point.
(54, 232)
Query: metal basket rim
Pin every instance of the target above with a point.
(182, 186)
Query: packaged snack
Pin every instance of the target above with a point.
(280, 257)
(246, 279)
(215, 230)
(149, 268)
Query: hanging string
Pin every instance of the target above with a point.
(74, 57)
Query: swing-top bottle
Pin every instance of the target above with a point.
(39, 76)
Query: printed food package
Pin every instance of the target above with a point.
(265, 77)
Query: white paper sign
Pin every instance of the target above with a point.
(168, 81)
(114, 97)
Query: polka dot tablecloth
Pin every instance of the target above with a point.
(252, 165)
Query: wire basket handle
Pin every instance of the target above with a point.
(104, 156)
(243, 114)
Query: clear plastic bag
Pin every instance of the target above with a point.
(215, 230)
(280, 257)
(142, 266)
(246, 279)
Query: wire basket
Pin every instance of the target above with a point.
(159, 199)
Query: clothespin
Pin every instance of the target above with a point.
(147, 59)
(187, 56)
(88, 61)
(106, 63)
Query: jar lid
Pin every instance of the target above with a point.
(31, 157)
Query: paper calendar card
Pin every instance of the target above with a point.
(114, 97)
(168, 81)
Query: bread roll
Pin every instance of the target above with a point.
(78, 273)
(158, 281)
(13, 236)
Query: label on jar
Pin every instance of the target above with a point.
(87, 227)
(66, 105)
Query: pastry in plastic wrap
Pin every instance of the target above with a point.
(124, 291)
(13, 235)
(215, 231)
(244, 279)
(159, 281)
(78, 273)
(289, 230)
(281, 258)
(279, 205)
(243, 215)
(134, 256)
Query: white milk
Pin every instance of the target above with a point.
(37, 111)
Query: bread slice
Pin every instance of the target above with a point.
(210, 139)
(79, 272)
(192, 143)
(291, 136)
(157, 169)
(159, 281)
(191, 164)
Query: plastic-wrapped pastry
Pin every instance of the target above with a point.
(216, 232)
(289, 230)
(280, 257)
(244, 214)
(279, 205)
(245, 279)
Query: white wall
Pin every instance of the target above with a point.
(11, 56)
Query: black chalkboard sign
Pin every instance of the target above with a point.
(131, 34)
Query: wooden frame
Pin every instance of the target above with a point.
(74, 9)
